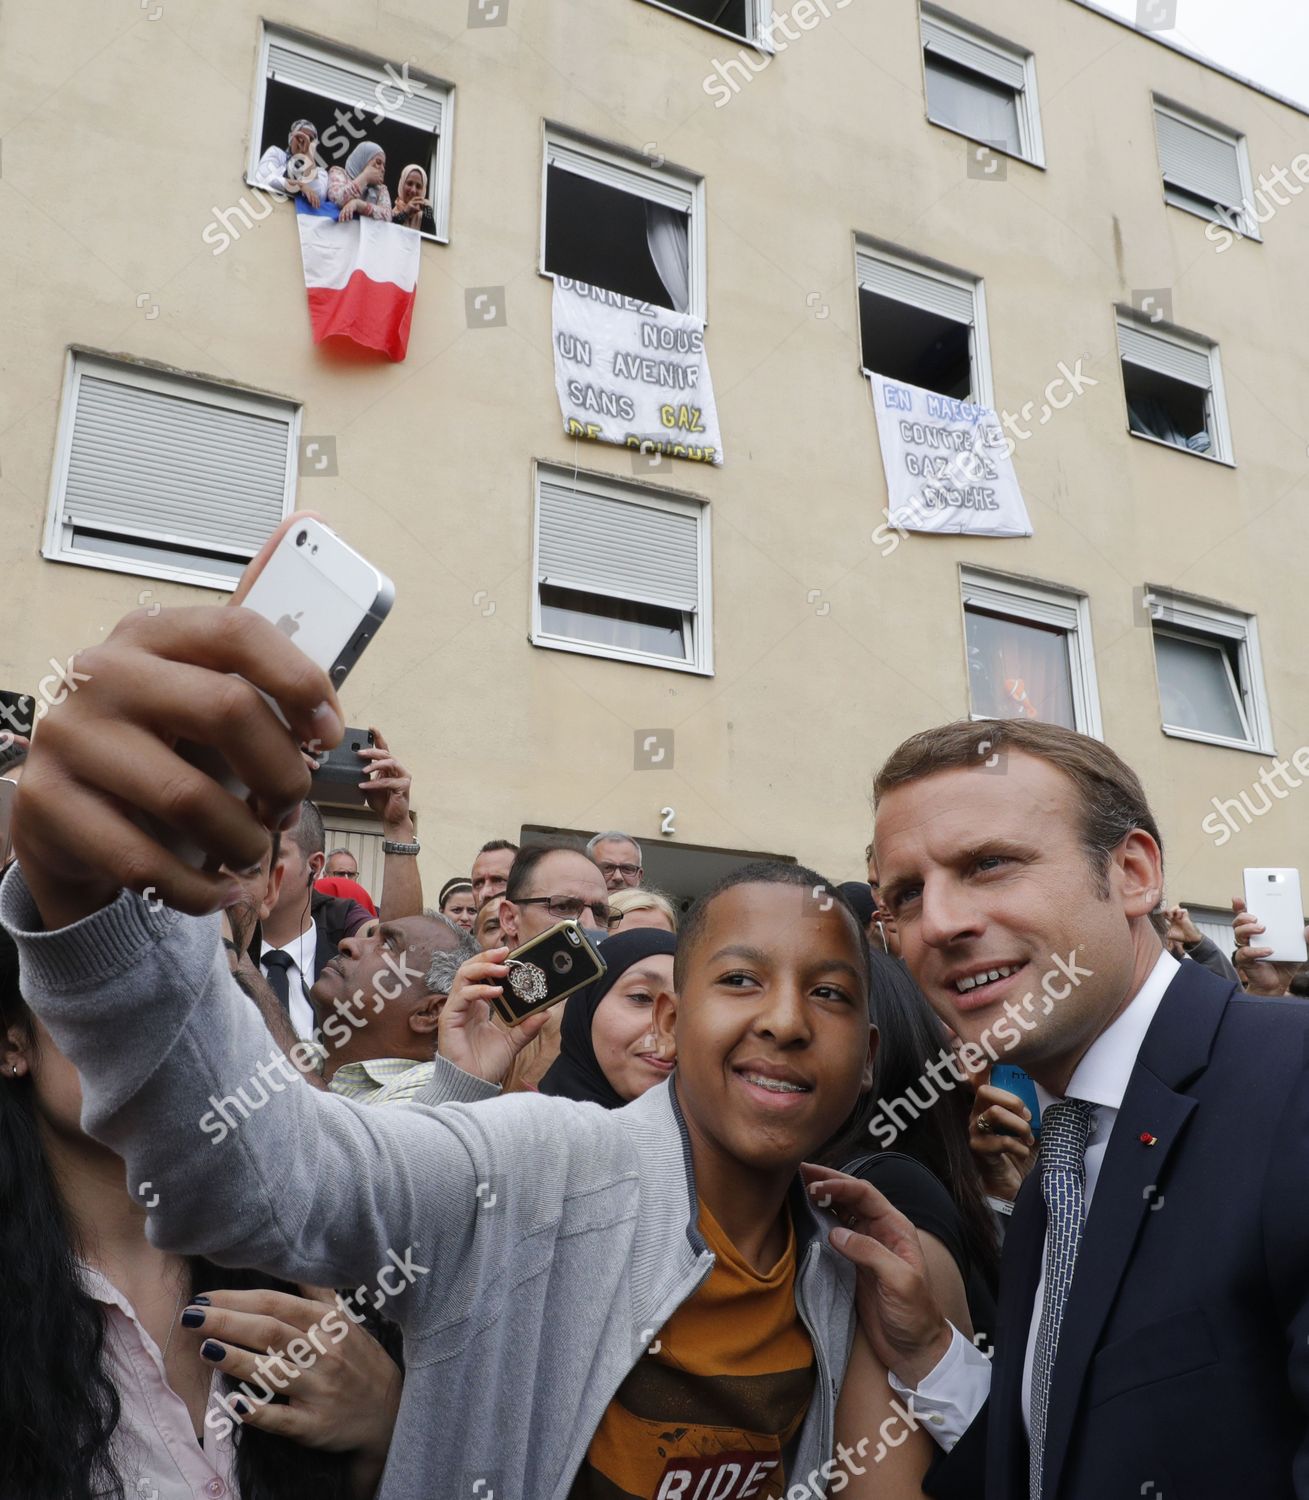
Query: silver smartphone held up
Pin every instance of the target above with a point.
(1273, 895)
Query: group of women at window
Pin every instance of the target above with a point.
(355, 190)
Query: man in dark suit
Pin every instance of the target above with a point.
(1153, 1326)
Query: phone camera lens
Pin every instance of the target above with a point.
(301, 537)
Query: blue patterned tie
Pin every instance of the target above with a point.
(1065, 1129)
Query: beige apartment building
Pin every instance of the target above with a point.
(1020, 203)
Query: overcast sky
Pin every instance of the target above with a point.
(1266, 41)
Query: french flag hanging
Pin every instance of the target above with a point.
(360, 277)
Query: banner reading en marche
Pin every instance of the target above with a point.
(631, 373)
(948, 464)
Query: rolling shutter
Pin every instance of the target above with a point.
(618, 548)
(917, 288)
(942, 41)
(1198, 161)
(1164, 356)
(356, 83)
(175, 469)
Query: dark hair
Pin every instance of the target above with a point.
(492, 845)
(60, 1405)
(910, 1035)
(455, 883)
(309, 833)
(1113, 801)
(531, 855)
(823, 893)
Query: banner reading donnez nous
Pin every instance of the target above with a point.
(948, 464)
(631, 373)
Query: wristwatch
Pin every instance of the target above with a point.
(390, 847)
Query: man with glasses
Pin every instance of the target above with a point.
(548, 883)
(619, 857)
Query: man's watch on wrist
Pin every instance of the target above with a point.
(390, 846)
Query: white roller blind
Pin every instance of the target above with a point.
(619, 548)
(918, 288)
(942, 41)
(1164, 356)
(352, 84)
(173, 469)
(1198, 161)
(658, 188)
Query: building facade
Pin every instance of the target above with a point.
(1026, 205)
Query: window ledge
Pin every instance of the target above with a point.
(607, 653)
(141, 568)
(1219, 742)
(1252, 233)
(1027, 161)
(1213, 458)
(259, 187)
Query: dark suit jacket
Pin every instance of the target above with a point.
(1183, 1364)
(334, 917)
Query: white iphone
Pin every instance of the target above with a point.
(329, 600)
(319, 591)
(1274, 897)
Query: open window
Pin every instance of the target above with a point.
(1206, 168)
(1173, 385)
(922, 325)
(1029, 652)
(980, 86)
(352, 98)
(165, 475)
(1210, 674)
(623, 225)
(738, 18)
(622, 570)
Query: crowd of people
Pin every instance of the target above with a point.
(287, 1210)
(355, 189)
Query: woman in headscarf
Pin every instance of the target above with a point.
(608, 1052)
(297, 169)
(360, 186)
(411, 198)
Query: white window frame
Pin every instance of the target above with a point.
(759, 23)
(868, 251)
(1248, 226)
(371, 72)
(58, 542)
(1199, 617)
(612, 166)
(699, 625)
(1216, 395)
(1031, 602)
(1005, 55)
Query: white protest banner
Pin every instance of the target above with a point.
(948, 464)
(631, 373)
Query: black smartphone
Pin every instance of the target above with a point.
(336, 781)
(546, 971)
(17, 713)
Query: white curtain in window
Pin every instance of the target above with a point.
(667, 233)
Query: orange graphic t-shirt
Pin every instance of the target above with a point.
(714, 1401)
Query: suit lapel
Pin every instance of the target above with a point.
(1175, 1049)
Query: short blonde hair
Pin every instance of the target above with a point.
(641, 898)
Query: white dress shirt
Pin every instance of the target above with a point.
(955, 1391)
(299, 977)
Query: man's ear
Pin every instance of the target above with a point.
(508, 922)
(423, 1019)
(1141, 873)
(273, 890)
(316, 863)
(15, 1052)
(664, 1024)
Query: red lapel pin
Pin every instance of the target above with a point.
(1147, 1139)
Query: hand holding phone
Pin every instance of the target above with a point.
(106, 757)
(467, 1032)
(545, 971)
(1273, 895)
